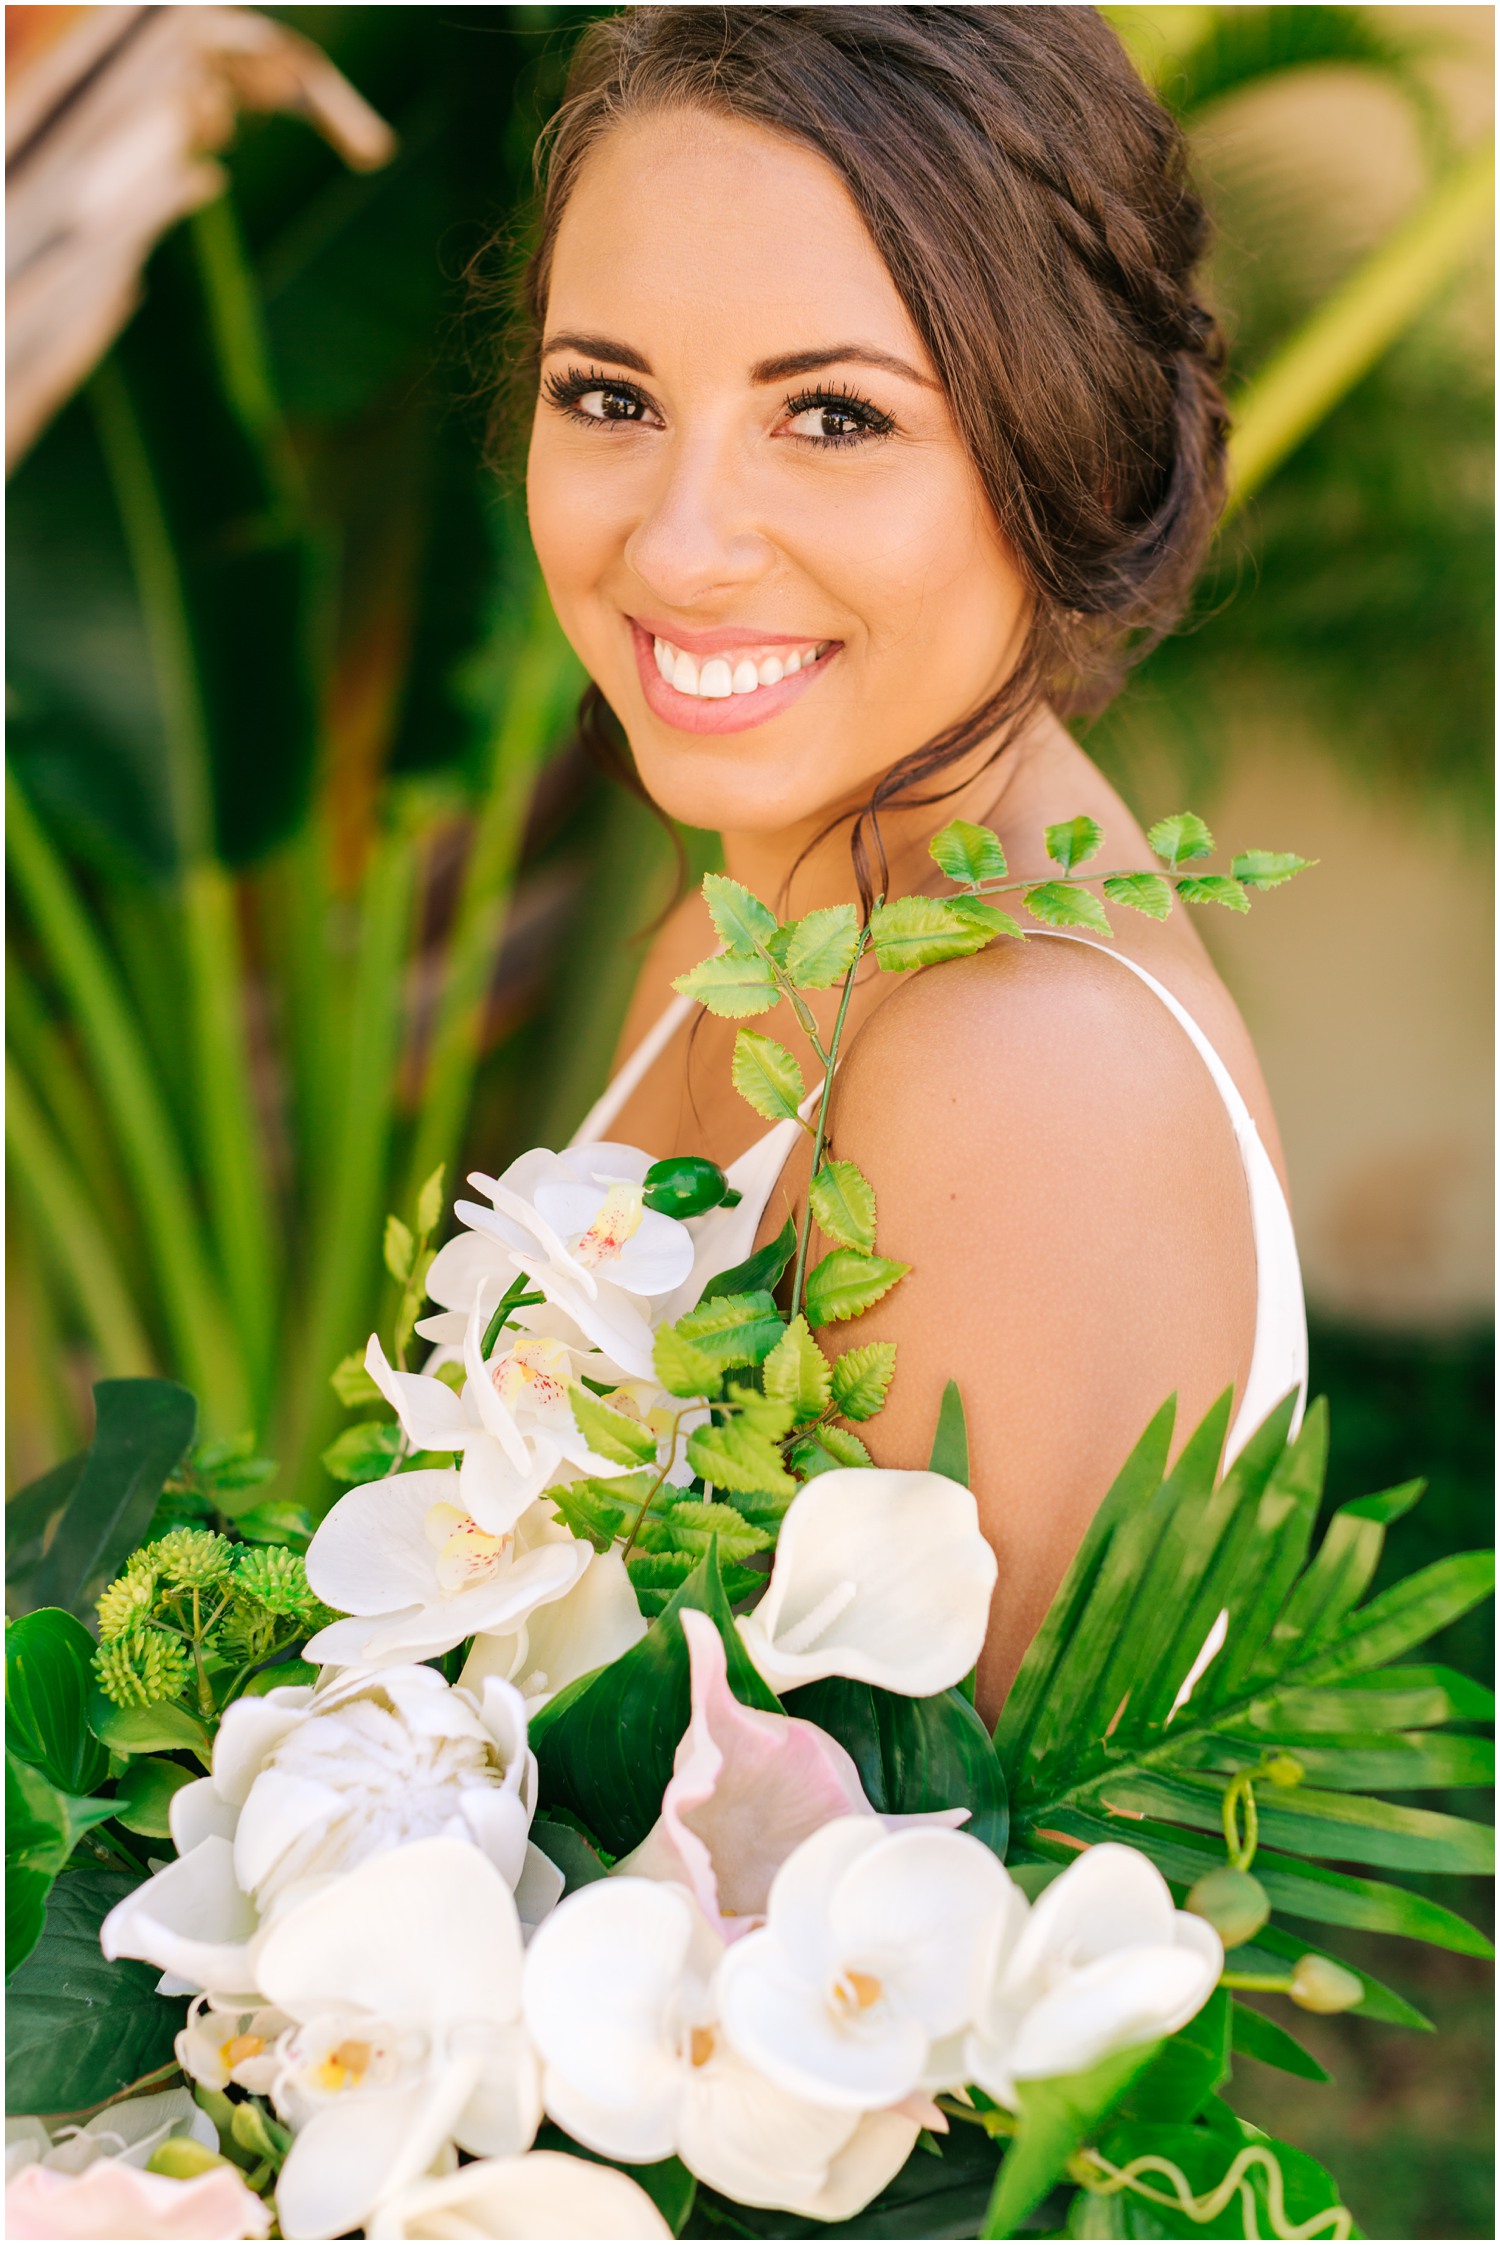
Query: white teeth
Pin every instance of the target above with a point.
(716, 678)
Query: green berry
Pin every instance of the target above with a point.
(687, 1185)
(141, 1667)
(1234, 1902)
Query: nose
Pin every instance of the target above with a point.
(697, 535)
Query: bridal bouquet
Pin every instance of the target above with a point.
(583, 1827)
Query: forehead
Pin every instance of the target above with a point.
(717, 234)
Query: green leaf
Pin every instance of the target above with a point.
(862, 1379)
(49, 1680)
(365, 1452)
(430, 1201)
(160, 1729)
(1267, 869)
(1189, 2068)
(1057, 2118)
(766, 1075)
(1142, 892)
(759, 1272)
(1253, 2035)
(740, 918)
(1058, 904)
(913, 1754)
(352, 1384)
(43, 1825)
(1407, 1614)
(1180, 839)
(920, 931)
(825, 1449)
(690, 1525)
(606, 1752)
(1395, 1699)
(820, 948)
(398, 1249)
(843, 1205)
(26, 1895)
(846, 1284)
(145, 1792)
(657, 1576)
(682, 1367)
(609, 1433)
(736, 1456)
(599, 1511)
(968, 853)
(987, 917)
(1212, 888)
(142, 1428)
(29, 1515)
(1073, 842)
(579, 1863)
(734, 1329)
(79, 2029)
(950, 1441)
(796, 1372)
(730, 985)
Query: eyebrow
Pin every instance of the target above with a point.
(781, 369)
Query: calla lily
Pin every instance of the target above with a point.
(881, 1576)
(91, 2182)
(866, 1962)
(309, 1783)
(417, 1574)
(747, 1787)
(403, 1979)
(1101, 1961)
(620, 2001)
(591, 1624)
(546, 2194)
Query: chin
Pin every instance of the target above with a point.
(721, 785)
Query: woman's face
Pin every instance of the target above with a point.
(757, 522)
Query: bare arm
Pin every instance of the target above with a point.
(1052, 1158)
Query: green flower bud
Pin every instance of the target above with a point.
(141, 1667)
(1318, 1984)
(1283, 1769)
(275, 1577)
(182, 2157)
(1234, 1903)
(687, 1185)
(194, 1558)
(127, 1601)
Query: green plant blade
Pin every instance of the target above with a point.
(1253, 2035)
(49, 1680)
(143, 1428)
(913, 1754)
(1057, 2117)
(79, 2029)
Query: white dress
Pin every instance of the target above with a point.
(1278, 1361)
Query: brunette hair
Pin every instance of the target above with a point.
(1031, 200)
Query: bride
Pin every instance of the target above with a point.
(876, 424)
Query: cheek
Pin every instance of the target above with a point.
(573, 525)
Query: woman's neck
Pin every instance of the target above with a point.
(804, 868)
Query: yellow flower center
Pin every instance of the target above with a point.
(701, 2045)
(466, 1553)
(240, 2047)
(345, 2067)
(618, 1220)
(856, 1992)
(537, 1372)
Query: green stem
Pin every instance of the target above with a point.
(511, 1299)
(77, 1242)
(229, 1135)
(651, 1494)
(1263, 1983)
(197, 1321)
(820, 1134)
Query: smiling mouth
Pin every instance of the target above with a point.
(744, 671)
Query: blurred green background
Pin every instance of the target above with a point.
(311, 887)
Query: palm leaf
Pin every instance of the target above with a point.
(1115, 1731)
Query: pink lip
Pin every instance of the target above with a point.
(735, 713)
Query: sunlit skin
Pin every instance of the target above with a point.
(741, 448)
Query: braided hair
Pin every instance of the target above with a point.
(1031, 200)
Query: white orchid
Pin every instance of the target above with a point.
(1101, 1961)
(747, 1787)
(621, 2003)
(544, 2194)
(867, 1962)
(415, 1573)
(403, 1980)
(234, 2043)
(92, 2182)
(879, 1575)
(588, 1627)
(308, 1783)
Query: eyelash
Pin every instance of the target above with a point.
(564, 391)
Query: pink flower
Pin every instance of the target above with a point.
(747, 1787)
(113, 2200)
